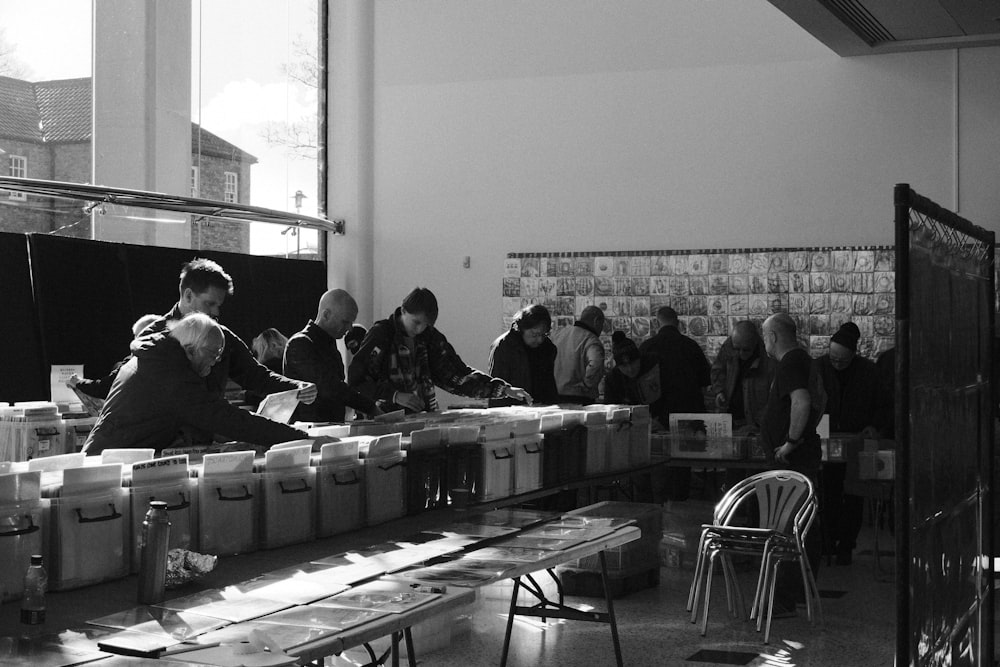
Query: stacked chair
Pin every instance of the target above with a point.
(787, 505)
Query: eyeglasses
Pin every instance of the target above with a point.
(535, 334)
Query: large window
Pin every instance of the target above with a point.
(253, 114)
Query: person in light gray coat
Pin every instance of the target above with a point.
(580, 358)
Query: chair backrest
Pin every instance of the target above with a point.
(784, 499)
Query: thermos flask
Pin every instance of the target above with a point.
(153, 553)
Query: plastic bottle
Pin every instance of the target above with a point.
(153, 553)
(36, 580)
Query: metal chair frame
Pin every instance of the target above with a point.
(786, 509)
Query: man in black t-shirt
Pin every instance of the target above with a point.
(788, 428)
(788, 433)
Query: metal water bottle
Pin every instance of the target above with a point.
(153, 553)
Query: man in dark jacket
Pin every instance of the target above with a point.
(404, 357)
(684, 370)
(312, 355)
(741, 377)
(161, 390)
(525, 357)
(203, 288)
(684, 373)
(852, 390)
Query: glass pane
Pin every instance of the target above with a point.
(256, 88)
(249, 78)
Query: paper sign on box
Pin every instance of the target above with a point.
(158, 470)
(227, 463)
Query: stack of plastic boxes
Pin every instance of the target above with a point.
(31, 430)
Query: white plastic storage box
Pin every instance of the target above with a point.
(619, 445)
(288, 507)
(528, 453)
(497, 466)
(340, 497)
(89, 535)
(385, 488)
(596, 457)
(227, 513)
(181, 497)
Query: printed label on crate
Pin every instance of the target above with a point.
(156, 470)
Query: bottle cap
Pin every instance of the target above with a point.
(158, 504)
(36, 559)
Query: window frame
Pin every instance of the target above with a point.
(232, 179)
(17, 167)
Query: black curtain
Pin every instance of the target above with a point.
(23, 374)
(86, 295)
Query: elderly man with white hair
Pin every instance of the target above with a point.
(162, 389)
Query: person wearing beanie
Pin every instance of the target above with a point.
(851, 383)
(635, 378)
(525, 357)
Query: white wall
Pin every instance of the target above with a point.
(583, 125)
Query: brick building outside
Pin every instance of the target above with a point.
(45, 133)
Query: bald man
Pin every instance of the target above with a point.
(312, 355)
(161, 390)
(741, 376)
(788, 434)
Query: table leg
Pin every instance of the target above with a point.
(395, 649)
(510, 621)
(411, 654)
(611, 609)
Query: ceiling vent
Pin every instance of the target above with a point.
(857, 17)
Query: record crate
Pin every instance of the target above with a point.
(633, 556)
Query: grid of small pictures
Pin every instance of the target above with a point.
(821, 288)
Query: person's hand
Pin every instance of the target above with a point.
(307, 392)
(518, 394)
(782, 453)
(720, 400)
(408, 400)
(73, 380)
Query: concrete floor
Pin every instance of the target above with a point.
(858, 628)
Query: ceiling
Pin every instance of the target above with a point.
(868, 27)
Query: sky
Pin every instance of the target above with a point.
(241, 86)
